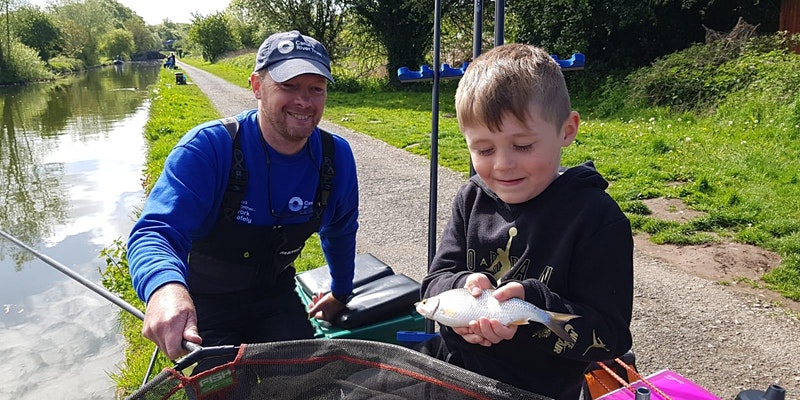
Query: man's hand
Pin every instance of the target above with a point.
(325, 307)
(170, 318)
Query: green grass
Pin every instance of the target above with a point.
(139, 350)
(236, 70)
(174, 110)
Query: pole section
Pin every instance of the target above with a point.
(477, 29)
(83, 281)
(434, 178)
(499, 22)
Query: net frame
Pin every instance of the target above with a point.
(351, 369)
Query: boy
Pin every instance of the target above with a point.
(548, 235)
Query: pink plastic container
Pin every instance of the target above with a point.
(671, 383)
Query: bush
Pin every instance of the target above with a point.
(64, 65)
(687, 79)
(704, 75)
(24, 65)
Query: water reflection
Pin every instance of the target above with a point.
(39, 119)
(71, 159)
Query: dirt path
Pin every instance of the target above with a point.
(725, 338)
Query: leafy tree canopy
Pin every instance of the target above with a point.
(625, 34)
(320, 19)
(404, 27)
(37, 30)
(118, 42)
(214, 35)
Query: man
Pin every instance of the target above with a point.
(212, 252)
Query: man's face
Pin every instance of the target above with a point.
(289, 111)
(520, 160)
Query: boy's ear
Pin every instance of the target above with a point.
(570, 128)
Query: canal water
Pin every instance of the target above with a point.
(71, 159)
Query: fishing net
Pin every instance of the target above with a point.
(326, 369)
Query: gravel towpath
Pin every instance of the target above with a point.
(721, 339)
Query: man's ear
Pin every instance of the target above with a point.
(570, 128)
(255, 84)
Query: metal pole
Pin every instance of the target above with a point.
(499, 21)
(83, 281)
(434, 179)
(105, 293)
(477, 29)
(477, 47)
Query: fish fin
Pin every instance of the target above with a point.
(520, 322)
(557, 324)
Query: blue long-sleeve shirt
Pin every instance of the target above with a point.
(185, 201)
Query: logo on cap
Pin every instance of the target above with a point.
(285, 46)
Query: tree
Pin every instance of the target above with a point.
(625, 34)
(171, 35)
(404, 27)
(168, 30)
(320, 19)
(118, 42)
(143, 38)
(246, 27)
(37, 30)
(82, 24)
(214, 35)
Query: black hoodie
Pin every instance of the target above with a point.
(571, 247)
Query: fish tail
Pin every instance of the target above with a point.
(557, 323)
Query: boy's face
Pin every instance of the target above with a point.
(522, 159)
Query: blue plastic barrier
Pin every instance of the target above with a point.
(576, 62)
(425, 73)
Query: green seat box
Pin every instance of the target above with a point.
(381, 305)
(368, 269)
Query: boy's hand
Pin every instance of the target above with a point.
(505, 292)
(484, 331)
(476, 283)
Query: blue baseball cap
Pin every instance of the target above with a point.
(289, 54)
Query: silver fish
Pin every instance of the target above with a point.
(456, 307)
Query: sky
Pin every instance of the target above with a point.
(155, 11)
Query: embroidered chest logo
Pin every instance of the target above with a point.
(501, 262)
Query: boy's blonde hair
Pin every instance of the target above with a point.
(513, 78)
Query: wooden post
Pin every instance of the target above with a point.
(790, 18)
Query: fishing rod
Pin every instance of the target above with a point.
(83, 281)
(105, 293)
